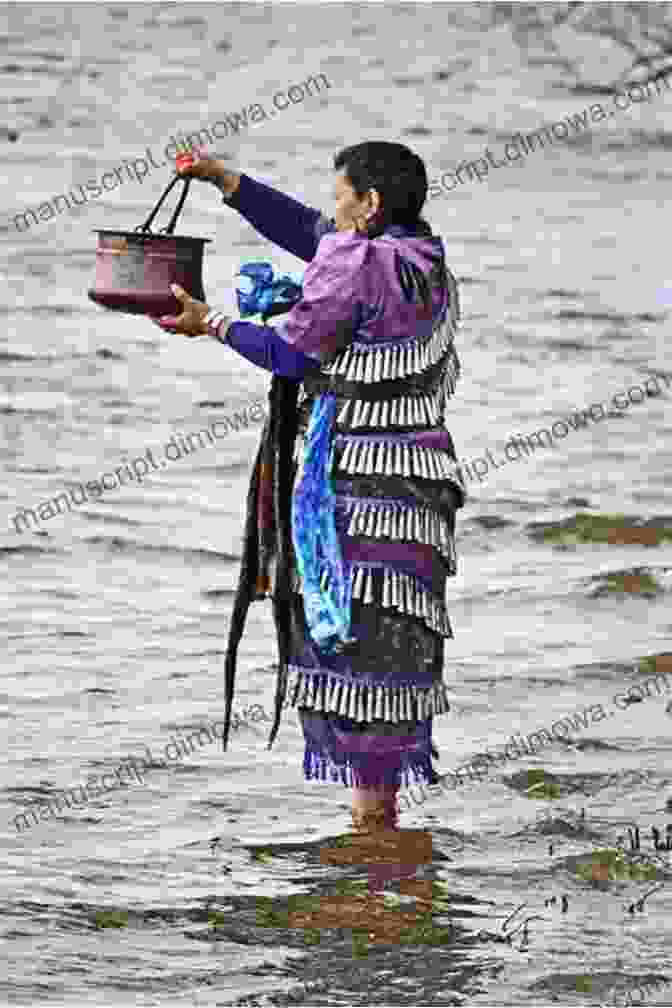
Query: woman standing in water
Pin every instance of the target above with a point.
(375, 484)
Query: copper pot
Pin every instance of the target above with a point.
(134, 269)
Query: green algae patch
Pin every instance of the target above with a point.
(351, 887)
(111, 919)
(360, 944)
(541, 785)
(615, 530)
(304, 903)
(635, 582)
(216, 918)
(425, 932)
(609, 865)
(535, 783)
(262, 855)
(342, 841)
(268, 915)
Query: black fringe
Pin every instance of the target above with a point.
(280, 430)
(285, 421)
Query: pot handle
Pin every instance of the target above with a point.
(170, 227)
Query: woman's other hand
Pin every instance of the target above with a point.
(192, 320)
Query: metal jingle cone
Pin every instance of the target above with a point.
(395, 588)
(369, 458)
(424, 525)
(387, 590)
(402, 593)
(396, 464)
(379, 463)
(394, 525)
(368, 588)
(387, 363)
(406, 461)
(359, 456)
(397, 370)
(418, 461)
(352, 368)
(342, 362)
(388, 465)
(345, 409)
(368, 368)
(363, 519)
(354, 518)
(414, 358)
(379, 458)
(344, 460)
(370, 523)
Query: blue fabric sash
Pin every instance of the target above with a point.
(315, 537)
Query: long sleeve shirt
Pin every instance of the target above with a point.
(297, 229)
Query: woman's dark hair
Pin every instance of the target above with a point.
(395, 171)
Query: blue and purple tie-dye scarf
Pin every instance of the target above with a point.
(316, 545)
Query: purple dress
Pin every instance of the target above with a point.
(376, 326)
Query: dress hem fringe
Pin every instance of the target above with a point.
(317, 766)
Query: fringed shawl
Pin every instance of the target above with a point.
(267, 541)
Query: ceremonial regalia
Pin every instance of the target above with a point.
(359, 582)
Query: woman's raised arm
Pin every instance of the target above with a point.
(283, 220)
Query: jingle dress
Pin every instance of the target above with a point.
(375, 328)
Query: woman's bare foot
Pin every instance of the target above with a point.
(374, 809)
